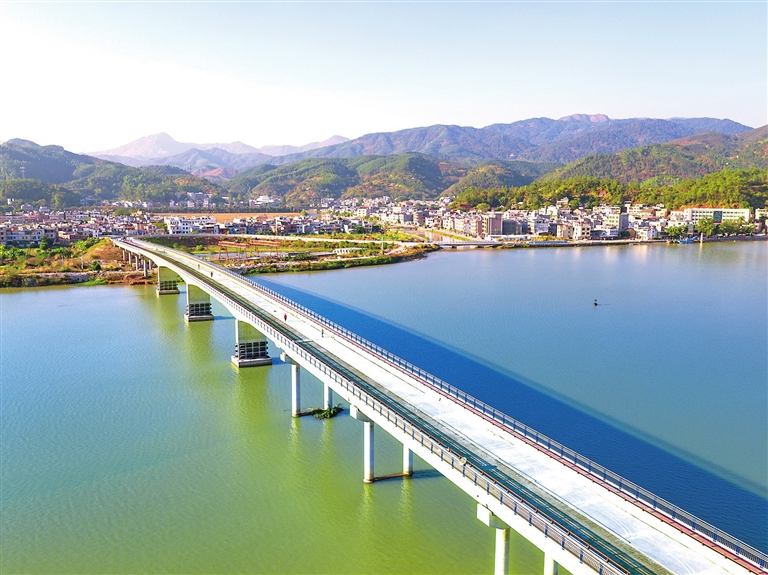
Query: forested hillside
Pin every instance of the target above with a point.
(62, 179)
(685, 158)
(728, 188)
(399, 176)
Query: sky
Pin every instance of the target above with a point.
(92, 76)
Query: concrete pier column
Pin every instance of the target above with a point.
(550, 567)
(407, 461)
(167, 281)
(137, 262)
(368, 451)
(124, 255)
(327, 397)
(368, 459)
(501, 560)
(198, 304)
(146, 269)
(251, 347)
(295, 390)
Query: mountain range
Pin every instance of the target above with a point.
(540, 139)
(32, 173)
(162, 149)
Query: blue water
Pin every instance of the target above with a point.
(665, 382)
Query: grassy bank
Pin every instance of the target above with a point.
(87, 262)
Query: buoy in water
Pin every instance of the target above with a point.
(595, 302)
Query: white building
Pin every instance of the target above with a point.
(717, 214)
(582, 230)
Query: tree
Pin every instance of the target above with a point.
(706, 226)
(729, 227)
(745, 228)
(677, 231)
(45, 243)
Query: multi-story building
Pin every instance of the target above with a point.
(511, 227)
(492, 224)
(565, 231)
(717, 214)
(616, 220)
(582, 230)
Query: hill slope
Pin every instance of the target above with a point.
(728, 188)
(688, 157)
(562, 140)
(399, 176)
(62, 179)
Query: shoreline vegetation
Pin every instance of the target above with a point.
(99, 262)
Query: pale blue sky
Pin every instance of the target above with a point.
(93, 76)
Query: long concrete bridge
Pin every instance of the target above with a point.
(581, 515)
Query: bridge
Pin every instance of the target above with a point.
(580, 514)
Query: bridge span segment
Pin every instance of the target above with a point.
(520, 479)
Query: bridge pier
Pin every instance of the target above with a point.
(295, 389)
(550, 566)
(250, 346)
(198, 304)
(327, 396)
(368, 459)
(167, 281)
(146, 269)
(501, 560)
(407, 461)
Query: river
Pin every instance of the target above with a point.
(130, 443)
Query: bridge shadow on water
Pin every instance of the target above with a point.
(726, 505)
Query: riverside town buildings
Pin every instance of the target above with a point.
(633, 221)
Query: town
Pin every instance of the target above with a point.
(30, 225)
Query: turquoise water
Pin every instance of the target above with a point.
(131, 444)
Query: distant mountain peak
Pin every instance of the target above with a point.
(584, 118)
(157, 146)
(154, 146)
(22, 143)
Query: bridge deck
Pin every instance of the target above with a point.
(620, 529)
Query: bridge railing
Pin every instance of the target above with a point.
(552, 530)
(630, 490)
(583, 464)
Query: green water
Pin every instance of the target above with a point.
(131, 444)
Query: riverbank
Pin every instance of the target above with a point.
(338, 263)
(590, 243)
(75, 278)
(37, 268)
(107, 267)
(92, 261)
